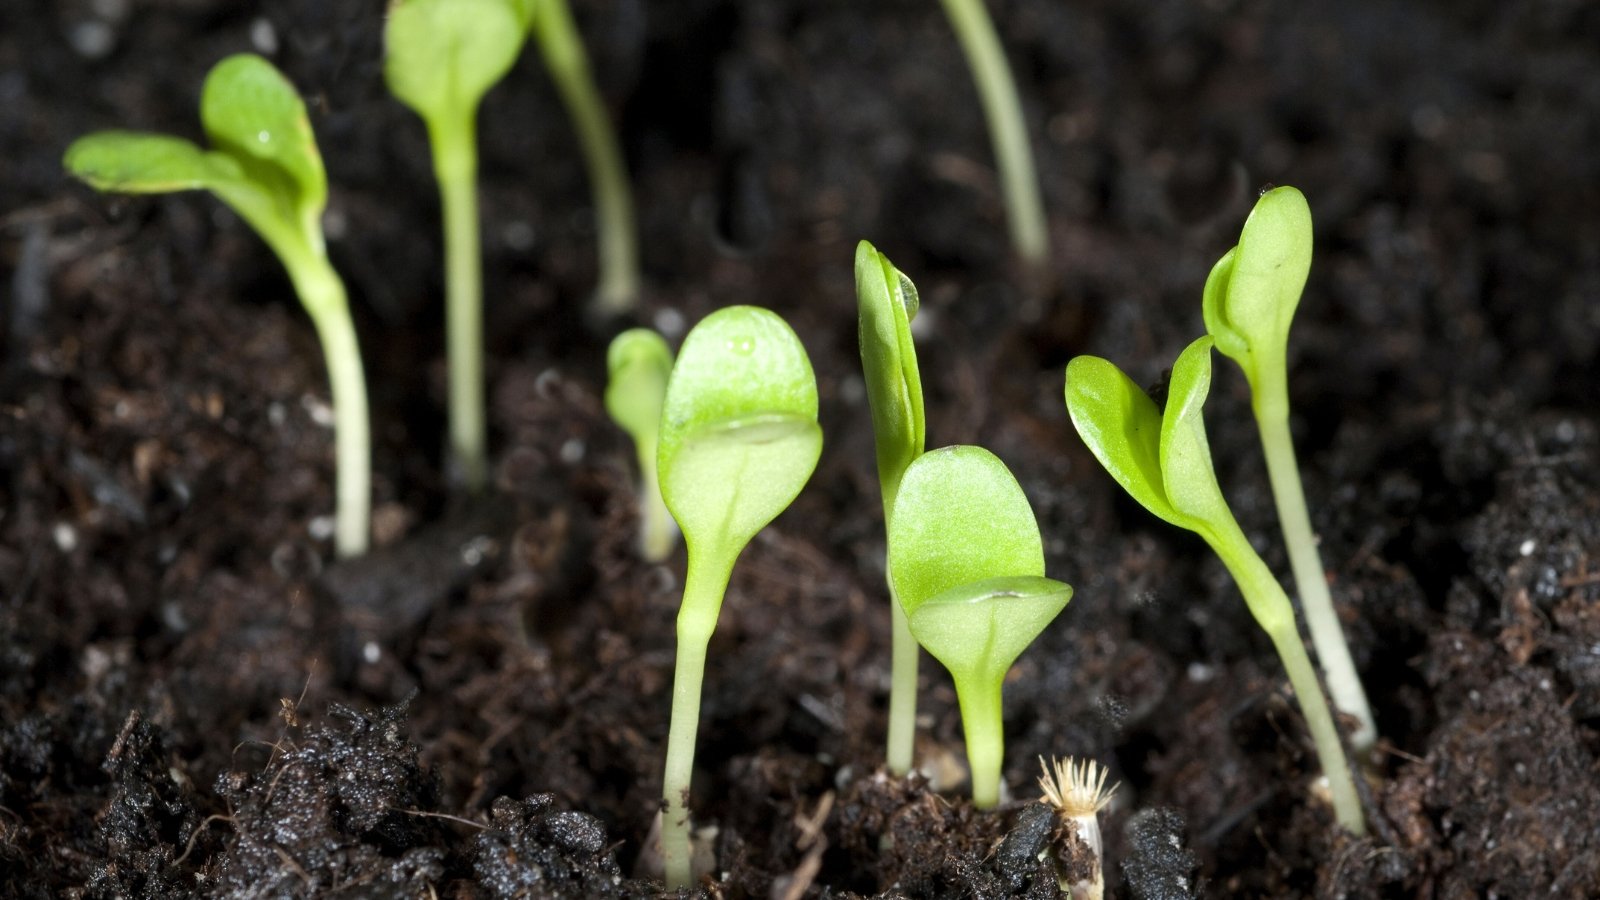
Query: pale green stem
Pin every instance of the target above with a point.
(985, 732)
(1271, 608)
(455, 163)
(657, 527)
(564, 56)
(902, 690)
(997, 90)
(906, 653)
(323, 295)
(704, 585)
(1327, 634)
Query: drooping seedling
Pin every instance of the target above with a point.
(639, 363)
(887, 302)
(1002, 107)
(1250, 301)
(739, 439)
(968, 566)
(264, 164)
(1163, 460)
(442, 57)
(568, 63)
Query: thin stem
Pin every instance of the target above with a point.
(704, 585)
(323, 295)
(657, 527)
(902, 691)
(562, 49)
(997, 90)
(1273, 612)
(985, 732)
(1327, 634)
(1324, 734)
(455, 163)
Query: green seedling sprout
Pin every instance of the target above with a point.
(1250, 300)
(887, 302)
(1163, 460)
(968, 566)
(639, 363)
(264, 164)
(739, 439)
(997, 90)
(442, 57)
(568, 63)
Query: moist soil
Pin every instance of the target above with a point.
(196, 700)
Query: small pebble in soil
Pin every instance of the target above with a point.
(93, 39)
(263, 37)
(669, 322)
(518, 236)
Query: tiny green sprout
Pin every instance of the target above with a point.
(1250, 300)
(568, 64)
(739, 439)
(968, 566)
(1002, 107)
(442, 57)
(639, 363)
(887, 302)
(264, 164)
(1163, 460)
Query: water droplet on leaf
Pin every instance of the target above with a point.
(908, 296)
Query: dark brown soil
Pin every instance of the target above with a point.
(195, 702)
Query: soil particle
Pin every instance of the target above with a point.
(343, 806)
(1159, 864)
(532, 851)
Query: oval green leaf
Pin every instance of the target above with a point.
(134, 162)
(1122, 428)
(886, 302)
(960, 517)
(442, 56)
(253, 114)
(978, 630)
(739, 435)
(638, 364)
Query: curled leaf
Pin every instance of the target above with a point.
(886, 301)
(1252, 292)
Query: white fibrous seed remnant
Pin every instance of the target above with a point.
(1078, 792)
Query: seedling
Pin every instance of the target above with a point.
(887, 302)
(1162, 459)
(264, 164)
(997, 90)
(442, 57)
(1250, 300)
(564, 57)
(968, 566)
(739, 439)
(1077, 792)
(639, 363)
